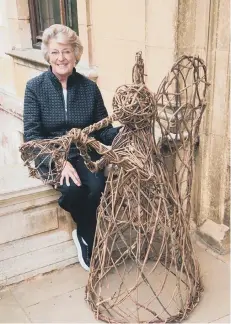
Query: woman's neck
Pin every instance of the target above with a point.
(63, 83)
(62, 79)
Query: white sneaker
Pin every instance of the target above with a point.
(82, 250)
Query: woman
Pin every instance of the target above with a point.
(56, 101)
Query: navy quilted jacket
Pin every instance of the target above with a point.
(44, 108)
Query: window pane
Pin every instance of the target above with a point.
(45, 13)
(71, 14)
(49, 13)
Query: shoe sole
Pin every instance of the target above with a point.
(79, 251)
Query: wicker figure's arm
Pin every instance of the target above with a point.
(58, 149)
(81, 140)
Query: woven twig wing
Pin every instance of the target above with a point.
(181, 100)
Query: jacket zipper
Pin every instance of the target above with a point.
(65, 108)
(65, 112)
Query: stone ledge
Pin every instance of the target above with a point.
(36, 232)
(15, 181)
(28, 265)
(11, 104)
(215, 236)
(33, 58)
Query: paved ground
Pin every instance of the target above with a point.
(59, 296)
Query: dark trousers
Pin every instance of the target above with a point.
(82, 202)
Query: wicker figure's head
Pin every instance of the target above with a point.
(134, 105)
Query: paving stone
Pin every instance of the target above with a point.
(59, 296)
(67, 308)
(10, 310)
(225, 319)
(215, 301)
(47, 286)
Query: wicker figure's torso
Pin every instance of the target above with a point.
(137, 265)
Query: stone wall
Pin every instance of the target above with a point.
(204, 29)
(120, 29)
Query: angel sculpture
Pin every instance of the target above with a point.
(143, 266)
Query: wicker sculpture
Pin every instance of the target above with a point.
(143, 267)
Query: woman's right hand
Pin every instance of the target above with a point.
(69, 172)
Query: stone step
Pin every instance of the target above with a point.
(41, 260)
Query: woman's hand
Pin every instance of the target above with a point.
(69, 172)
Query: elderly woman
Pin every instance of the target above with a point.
(56, 101)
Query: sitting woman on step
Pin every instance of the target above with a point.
(55, 102)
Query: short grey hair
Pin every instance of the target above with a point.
(62, 34)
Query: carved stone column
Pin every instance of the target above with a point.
(203, 29)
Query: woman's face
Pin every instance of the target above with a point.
(62, 58)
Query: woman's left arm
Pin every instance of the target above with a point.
(107, 134)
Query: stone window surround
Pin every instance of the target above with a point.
(33, 58)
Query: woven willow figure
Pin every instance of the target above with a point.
(143, 267)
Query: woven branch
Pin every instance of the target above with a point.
(143, 266)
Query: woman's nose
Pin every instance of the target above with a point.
(61, 56)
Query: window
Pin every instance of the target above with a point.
(44, 13)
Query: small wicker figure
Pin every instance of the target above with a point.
(143, 267)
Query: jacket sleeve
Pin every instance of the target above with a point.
(32, 121)
(107, 134)
(31, 116)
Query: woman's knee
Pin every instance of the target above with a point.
(72, 191)
(72, 196)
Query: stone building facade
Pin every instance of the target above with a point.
(34, 232)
